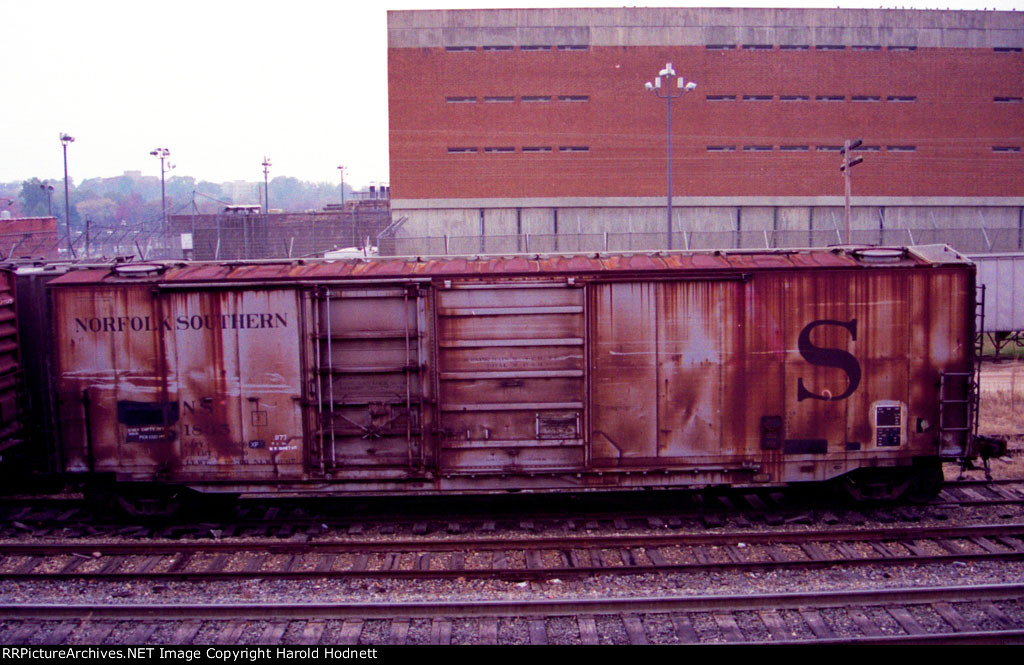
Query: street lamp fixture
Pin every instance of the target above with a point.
(163, 154)
(66, 139)
(266, 192)
(682, 86)
(341, 172)
(48, 189)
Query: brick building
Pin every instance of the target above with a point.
(506, 123)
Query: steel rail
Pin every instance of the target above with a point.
(580, 541)
(545, 607)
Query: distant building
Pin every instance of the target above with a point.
(536, 121)
(29, 237)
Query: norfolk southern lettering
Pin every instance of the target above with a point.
(120, 324)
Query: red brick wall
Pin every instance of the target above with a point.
(954, 122)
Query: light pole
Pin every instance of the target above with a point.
(266, 192)
(48, 188)
(341, 172)
(65, 139)
(665, 92)
(163, 154)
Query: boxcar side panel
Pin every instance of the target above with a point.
(236, 355)
(116, 412)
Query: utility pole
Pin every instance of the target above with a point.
(848, 164)
(341, 171)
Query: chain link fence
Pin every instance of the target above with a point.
(231, 238)
(978, 240)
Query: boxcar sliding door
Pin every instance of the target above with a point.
(369, 362)
(510, 368)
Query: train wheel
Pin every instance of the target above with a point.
(918, 483)
(926, 481)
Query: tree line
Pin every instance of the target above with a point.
(134, 200)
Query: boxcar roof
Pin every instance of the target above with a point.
(433, 267)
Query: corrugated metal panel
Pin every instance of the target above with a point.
(1003, 277)
(370, 360)
(10, 364)
(511, 377)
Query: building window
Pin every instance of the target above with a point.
(1007, 49)
(794, 98)
(536, 98)
(1006, 100)
(829, 148)
(537, 148)
(757, 98)
(461, 150)
(794, 148)
(901, 98)
(794, 47)
(830, 47)
(1005, 148)
(460, 49)
(460, 100)
(901, 148)
(501, 149)
(866, 47)
(902, 48)
(757, 47)
(574, 98)
(720, 47)
(498, 47)
(535, 47)
(721, 98)
(757, 148)
(573, 47)
(721, 148)
(867, 148)
(573, 148)
(866, 98)
(830, 98)
(499, 100)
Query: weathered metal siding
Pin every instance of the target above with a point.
(781, 372)
(112, 390)
(661, 354)
(237, 381)
(179, 385)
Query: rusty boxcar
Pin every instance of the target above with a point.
(480, 374)
(11, 426)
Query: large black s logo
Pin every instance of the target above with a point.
(824, 357)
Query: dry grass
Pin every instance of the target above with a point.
(1002, 399)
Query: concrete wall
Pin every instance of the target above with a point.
(577, 227)
(688, 26)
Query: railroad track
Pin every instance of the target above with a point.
(69, 518)
(529, 558)
(945, 615)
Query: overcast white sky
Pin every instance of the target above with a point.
(221, 83)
